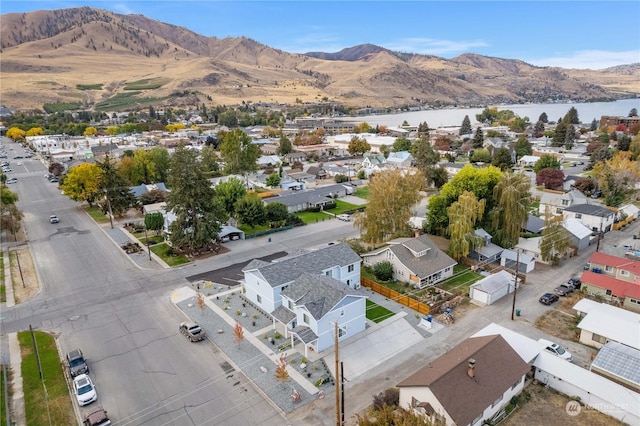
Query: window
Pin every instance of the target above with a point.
(290, 305)
(559, 210)
(259, 298)
(342, 331)
(305, 318)
(578, 215)
(624, 273)
(637, 302)
(608, 268)
(598, 338)
(565, 202)
(351, 268)
(608, 292)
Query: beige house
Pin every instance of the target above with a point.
(614, 279)
(602, 323)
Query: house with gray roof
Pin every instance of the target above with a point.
(399, 160)
(142, 189)
(594, 217)
(557, 202)
(301, 200)
(312, 304)
(417, 261)
(486, 251)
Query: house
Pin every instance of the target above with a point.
(557, 202)
(516, 260)
(534, 224)
(399, 160)
(618, 363)
(470, 383)
(602, 323)
(317, 171)
(264, 281)
(628, 211)
(292, 157)
(528, 160)
(227, 232)
(492, 288)
(301, 200)
(486, 251)
(580, 234)
(526, 347)
(142, 189)
(615, 279)
(372, 161)
(269, 161)
(596, 218)
(312, 304)
(417, 261)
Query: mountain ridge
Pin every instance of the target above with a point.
(48, 55)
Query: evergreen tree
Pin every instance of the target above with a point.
(423, 129)
(502, 159)
(569, 136)
(522, 147)
(284, 146)
(465, 128)
(539, 126)
(572, 116)
(478, 139)
(559, 134)
(424, 154)
(543, 117)
(594, 125)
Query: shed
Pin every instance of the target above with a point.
(492, 288)
(523, 262)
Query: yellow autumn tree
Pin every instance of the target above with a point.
(617, 177)
(16, 134)
(463, 215)
(82, 183)
(35, 131)
(90, 131)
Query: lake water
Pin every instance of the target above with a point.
(453, 117)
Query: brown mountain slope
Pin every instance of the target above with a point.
(48, 55)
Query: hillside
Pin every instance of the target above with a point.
(109, 61)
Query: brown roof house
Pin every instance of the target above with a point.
(471, 383)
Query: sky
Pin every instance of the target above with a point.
(568, 34)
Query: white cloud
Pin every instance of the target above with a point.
(589, 59)
(429, 46)
(122, 8)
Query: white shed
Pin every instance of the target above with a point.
(492, 288)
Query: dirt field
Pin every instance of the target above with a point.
(546, 407)
(23, 277)
(561, 321)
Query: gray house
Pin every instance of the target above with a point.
(487, 251)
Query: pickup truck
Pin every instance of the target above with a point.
(193, 331)
(97, 417)
(564, 289)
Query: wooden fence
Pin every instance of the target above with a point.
(407, 301)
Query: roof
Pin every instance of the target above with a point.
(524, 346)
(554, 198)
(398, 157)
(141, 189)
(590, 209)
(586, 305)
(618, 287)
(432, 261)
(619, 360)
(597, 386)
(319, 294)
(314, 262)
(534, 224)
(613, 323)
(623, 263)
(495, 282)
(528, 159)
(576, 228)
(497, 368)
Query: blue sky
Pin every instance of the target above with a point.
(569, 34)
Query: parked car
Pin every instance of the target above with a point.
(97, 417)
(344, 217)
(77, 363)
(12, 180)
(556, 349)
(84, 389)
(548, 299)
(575, 282)
(192, 331)
(564, 290)
(53, 219)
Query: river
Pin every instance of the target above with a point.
(454, 116)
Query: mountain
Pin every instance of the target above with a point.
(103, 60)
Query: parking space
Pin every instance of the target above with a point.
(232, 274)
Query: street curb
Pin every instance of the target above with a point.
(17, 398)
(8, 281)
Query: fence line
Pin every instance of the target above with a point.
(407, 301)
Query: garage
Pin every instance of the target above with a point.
(492, 288)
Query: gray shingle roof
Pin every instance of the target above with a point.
(590, 209)
(433, 261)
(318, 293)
(314, 262)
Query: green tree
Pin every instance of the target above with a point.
(154, 222)
(512, 200)
(600, 155)
(546, 161)
(10, 215)
(522, 147)
(624, 142)
(594, 125)
(251, 211)
(543, 117)
(285, 146)
(209, 159)
(538, 128)
(358, 146)
(82, 183)
(617, 178)
(159, 156)
(383, 271)
(424, 154)
(555, 240)
(436, 176)
(239, 153)
(465, 128)
(391, 198)
(423, 130)
(480, 155)
(276, 213)
(229, 192)
(488, 116)
(199, 214)
(571, 117)
(502, 159)
(273, 180)
(463, 215)
(478, 138)
(118, 196)
(559, 134)
(385, 150)
(401, 144)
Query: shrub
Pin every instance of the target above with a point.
(390, 397)
(383, 270)
(341, 178)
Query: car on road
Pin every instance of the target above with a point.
(53, 219)
(12, 180)
(84, 389)
(564, 289)
(77, 363)
(344, 217)
(192, 331)
(97, 417)
(556, 349)
(548, 298)
(575, 283)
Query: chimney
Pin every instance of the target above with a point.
(471, 372)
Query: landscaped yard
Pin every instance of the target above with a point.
(96, 214)
(163, 251)
(461, 280)
(249, 230)
(313, 217)
(362, 192)
(342, 206)
(377, 313)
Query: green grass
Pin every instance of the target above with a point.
(161, 251)
(462, 279)
(96, 214)
(57, 393)
(61, 106)
(145, 84)
(3, 414)
(3, 295)
(362, 192)
(342, 206)
(97, 86)
(127, 100)
(377, 313)
(313, 217)
(249, 230)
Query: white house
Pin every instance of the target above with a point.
(399, 160)
(513, 260)
(602, 323)
(596, 218)
(528, 160)
(264, 281)
(580, 234)
(492, 288)
(470, 383)
(417, 261)
(556, 202)
(312, 304)
(628, 210)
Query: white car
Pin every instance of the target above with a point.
(84, 389)
(556, 349)
(345, 217)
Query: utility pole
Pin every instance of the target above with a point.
(106, 196)
(337, 379)
(515, 284)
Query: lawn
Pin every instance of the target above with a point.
(313, 217)
(249, 230)
(96, 214)
(162, 250)
(461, 280)
(155, 239)
(377, 313)
(342, 206)
(362, 192)
(60, 410)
